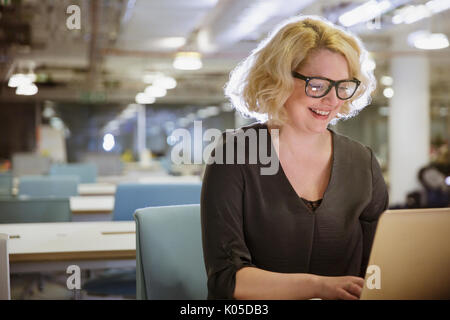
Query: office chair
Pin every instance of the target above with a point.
(27, 210)
(87, 172)
(5, 184)
(132, 196)
(29, 164)
(128, 198)
(5, 291)
(48, 186)
(169, 254)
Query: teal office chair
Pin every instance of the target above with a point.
(48, 186)
(169, 254)
(132, 196)
(87, 172)
(128, 198)
(27, 210)
(5, 184)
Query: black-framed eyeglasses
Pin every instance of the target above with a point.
(318, 87)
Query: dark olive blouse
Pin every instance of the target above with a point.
(249, 219)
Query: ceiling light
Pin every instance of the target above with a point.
(154, 91)
(411, 14)
(142, 98)
(18, 79)
(187, 60)
(386, 80)
(171, 42)
(428, 41)
(165, 82)
(149, 77)
(364, 13)
(27, 89)
(437, 6)
(388, 92)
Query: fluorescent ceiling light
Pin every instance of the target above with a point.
(364, 13)
(187, 61)
(437, 6)
(428, 41)
(411, 14)
(170, 42)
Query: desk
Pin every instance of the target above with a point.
(92, 208)
(37, 247)
(170, 179)
(96, 189)
(92, 204)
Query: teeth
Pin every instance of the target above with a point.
(323, 113)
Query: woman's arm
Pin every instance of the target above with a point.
(257, 284)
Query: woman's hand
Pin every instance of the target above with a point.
(340, 288)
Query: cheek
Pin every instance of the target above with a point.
(298, 100)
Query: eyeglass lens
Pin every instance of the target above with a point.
(318, 88)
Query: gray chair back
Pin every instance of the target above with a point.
(27, 210)
(87, 172)
(5, 183)
(108, 164)
(48, 186)
(169, 254)
(5, 292)
(29, 164)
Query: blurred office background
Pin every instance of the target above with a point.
(112, 86)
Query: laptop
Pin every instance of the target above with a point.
(410, 257)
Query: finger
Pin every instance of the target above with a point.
(358, 281)
(354, 289)
(345, 295)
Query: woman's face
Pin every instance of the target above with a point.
(299, 107)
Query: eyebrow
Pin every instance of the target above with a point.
(324, 78)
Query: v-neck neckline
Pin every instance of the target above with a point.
(330, 181)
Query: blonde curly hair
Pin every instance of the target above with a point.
(260, 85)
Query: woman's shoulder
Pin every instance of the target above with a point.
(352, 149)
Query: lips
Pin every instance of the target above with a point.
(320, 112)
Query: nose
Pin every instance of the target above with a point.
(331, 98)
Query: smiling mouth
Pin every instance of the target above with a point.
(320, 112)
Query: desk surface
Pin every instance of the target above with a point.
(96, 189)
(92, 204)
(43, 242)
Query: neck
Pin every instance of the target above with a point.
(296, 140)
